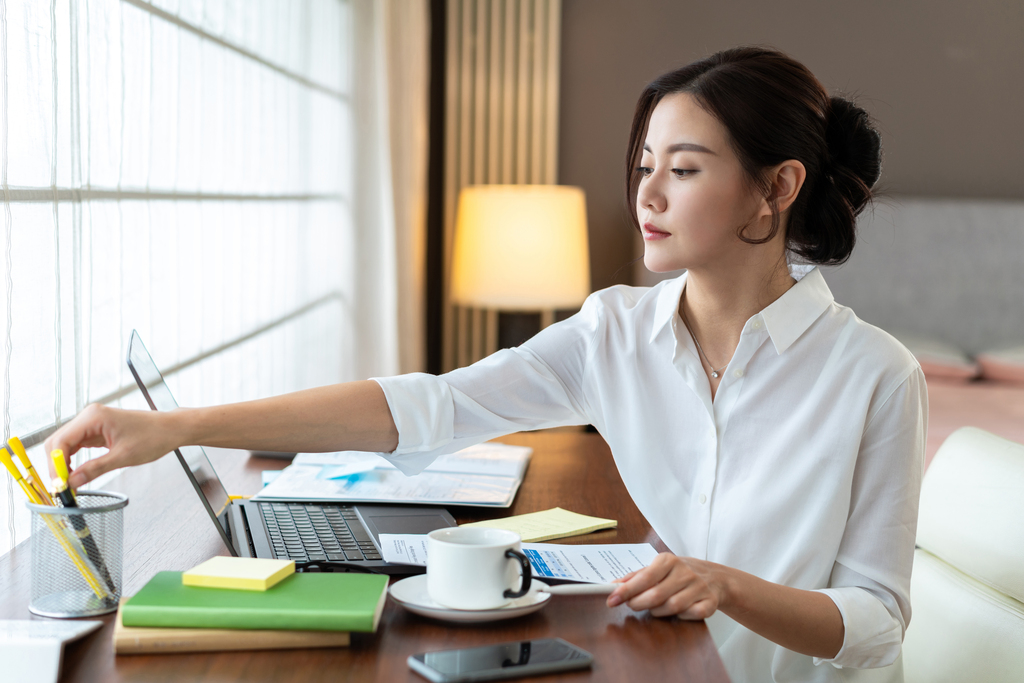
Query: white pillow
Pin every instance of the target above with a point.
(1005, 365)
(940, 360)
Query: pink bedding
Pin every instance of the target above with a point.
(993, 406)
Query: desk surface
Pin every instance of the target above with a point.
(167, 529)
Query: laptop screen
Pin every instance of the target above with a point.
(193, 458)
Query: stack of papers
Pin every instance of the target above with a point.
(487, 475)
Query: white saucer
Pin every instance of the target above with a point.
(411, 593)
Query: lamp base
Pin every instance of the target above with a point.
(515, 328)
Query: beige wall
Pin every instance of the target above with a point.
(944, 80)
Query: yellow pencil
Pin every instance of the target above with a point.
(66, 497)
(60, 465)
(30, 491)
(77, 557)
(60, 531)
(33, 479)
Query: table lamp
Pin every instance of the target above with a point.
(521, 248)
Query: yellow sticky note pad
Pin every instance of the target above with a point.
(548, 524)
(242, 573)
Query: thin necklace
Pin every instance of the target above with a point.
(714, 373)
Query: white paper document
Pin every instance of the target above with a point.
(32, 650)
(486, 475)
(585, 563)
(496, 459)
(352, 469)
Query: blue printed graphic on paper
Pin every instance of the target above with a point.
(547, 566)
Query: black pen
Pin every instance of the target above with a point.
(66, 497)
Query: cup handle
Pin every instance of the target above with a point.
(527, 574)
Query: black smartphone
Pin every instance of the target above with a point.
(501, 661)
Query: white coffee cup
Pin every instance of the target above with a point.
(474, 568)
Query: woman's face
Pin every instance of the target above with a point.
(693, 196)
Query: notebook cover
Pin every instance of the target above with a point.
(304, 602)
(239, 573)
(138, 641)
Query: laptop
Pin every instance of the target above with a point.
(324, 536)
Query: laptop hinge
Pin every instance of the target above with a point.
(236, 528)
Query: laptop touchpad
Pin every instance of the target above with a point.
(419, 522)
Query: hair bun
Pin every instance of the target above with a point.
(853, 143)
(851, 164)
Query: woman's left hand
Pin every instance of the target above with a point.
(673, 585)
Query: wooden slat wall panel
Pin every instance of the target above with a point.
(501, 126)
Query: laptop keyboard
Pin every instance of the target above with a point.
(317, 533)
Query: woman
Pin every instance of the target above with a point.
(773, 440)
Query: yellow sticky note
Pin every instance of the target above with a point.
(549, 524)
(242, 573)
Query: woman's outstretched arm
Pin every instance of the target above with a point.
(350, 416)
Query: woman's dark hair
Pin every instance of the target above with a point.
(775, 110)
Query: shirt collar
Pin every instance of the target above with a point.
(668, 304)
(786, 319)
(789, 316)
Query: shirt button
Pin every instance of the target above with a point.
(738, 373)
(756, 325)
(703, 499)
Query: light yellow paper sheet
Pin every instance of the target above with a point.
(548, 524)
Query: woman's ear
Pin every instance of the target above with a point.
(787, 179)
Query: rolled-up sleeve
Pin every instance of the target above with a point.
(423, 408)
(534, 386)
(870, 581)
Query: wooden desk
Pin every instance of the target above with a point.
(167, 529)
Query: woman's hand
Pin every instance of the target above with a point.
(673, 585)
(133, 437)
(804, 621)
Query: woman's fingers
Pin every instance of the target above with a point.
(671, 585)
(678, 602)
(84, 431)
(91, 469)
(133, 437)
(702, 609)
(673, 593)
(623, 579)
(641, 580)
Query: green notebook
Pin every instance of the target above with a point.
(305, 602)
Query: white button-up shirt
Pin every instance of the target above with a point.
(804, 470)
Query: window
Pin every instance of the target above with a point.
(183, 168)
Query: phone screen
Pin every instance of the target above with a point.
(505, 660)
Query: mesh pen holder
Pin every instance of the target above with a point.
(76, 556)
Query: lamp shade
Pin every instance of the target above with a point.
(521, 247)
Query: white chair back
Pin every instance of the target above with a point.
(967, 588)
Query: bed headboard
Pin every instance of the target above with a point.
(951, 270)
(944, 269)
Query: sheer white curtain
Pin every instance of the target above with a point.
(407, 50)
(391, 99)
(196, 170)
